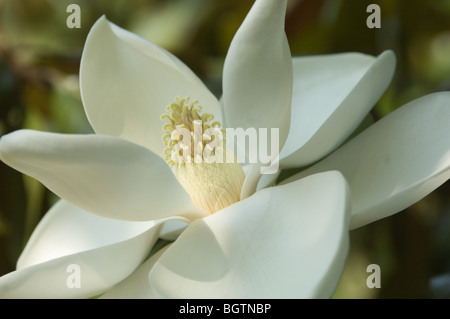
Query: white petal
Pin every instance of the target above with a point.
(103, 175)
(126, 83)
(136, 286)
(332, 95)
(66, 230)
(101, 251)
(395, 162)
(282, 242)
(172, 229)
(257, 79)
(252, 177)
(268, 180)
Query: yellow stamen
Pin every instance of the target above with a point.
(196, 151)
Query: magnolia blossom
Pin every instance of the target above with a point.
(284, 241)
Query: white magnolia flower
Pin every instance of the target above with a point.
(289, 240)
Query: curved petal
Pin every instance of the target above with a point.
(268, 180)
(172, 229)
(74, 254)
(395, 162)
(332, 95)
(103, 175)
(257, 78)
(127, 82)
(136, 286)
(252, 177)
(66, 230)
(282, 242)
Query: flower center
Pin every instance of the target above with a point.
(196, 151)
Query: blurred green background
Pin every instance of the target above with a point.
(39, 62)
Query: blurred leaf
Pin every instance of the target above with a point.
(171, 25)
(67, 110)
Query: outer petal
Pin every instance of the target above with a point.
(395, 162)
(69, 241)
(103, 175)
(282, 242)
(126, 83)
(332, 95)
(136, 286)
(252, 177)
(257, 79)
